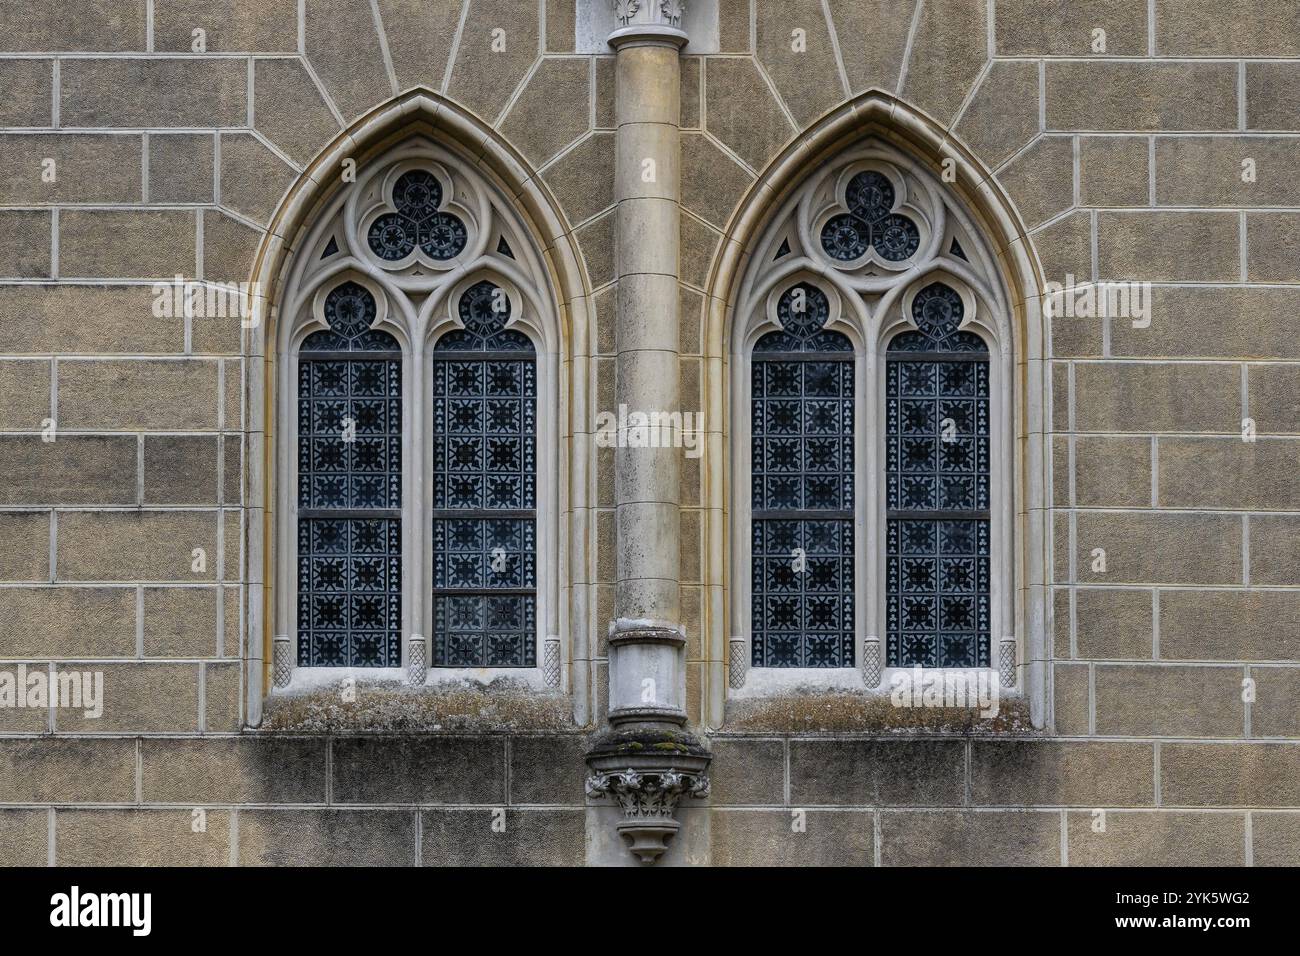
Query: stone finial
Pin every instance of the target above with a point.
(417, 668)
(1007, 663)
(281, 661)
(649, 800)
(871, 662)
(738, 663)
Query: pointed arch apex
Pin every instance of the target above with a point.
(415, 111)
(877, 112)
(485, 191)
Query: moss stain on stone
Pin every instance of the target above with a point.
(834, 713)
(458, 708)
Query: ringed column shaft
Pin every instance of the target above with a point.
(647, 642)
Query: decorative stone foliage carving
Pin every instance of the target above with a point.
(660, 18)
(667, 12)
(647, 773)
(672, 11)
(649, 800)
(625, 10)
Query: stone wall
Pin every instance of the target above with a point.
(1124, 165)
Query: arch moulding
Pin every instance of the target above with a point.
(422, 112)
(883, 118)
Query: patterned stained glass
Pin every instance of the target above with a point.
(802, 472)
(417, 221)
(484, 488)
(870, 223)
(349, 489)
(937, 479)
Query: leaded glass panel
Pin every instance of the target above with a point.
(802, 470)
(349, 489)
(937, 489)
(484, 488)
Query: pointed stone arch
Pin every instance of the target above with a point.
(568, 331)
(879, 117)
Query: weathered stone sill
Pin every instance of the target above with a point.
(858, 714)
(502, 706)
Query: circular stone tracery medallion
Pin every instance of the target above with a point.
(417, 222)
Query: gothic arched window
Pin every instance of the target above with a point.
(420, 437)
(872, 471)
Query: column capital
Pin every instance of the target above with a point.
(647, 776)
(649, 21)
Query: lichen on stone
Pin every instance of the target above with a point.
(641, 741)
(836, 713)
(503, 705)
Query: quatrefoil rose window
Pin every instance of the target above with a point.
(874, 222)
(418, 219)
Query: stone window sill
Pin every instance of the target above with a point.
(859, 713)
(379, 706)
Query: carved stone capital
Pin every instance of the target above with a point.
(649, 802)
(648, 778)
(649, 20)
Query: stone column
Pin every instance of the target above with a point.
(647, 763)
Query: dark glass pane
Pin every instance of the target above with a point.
(802, 461)
(896, 238)
(937, 460)
(485, 310)
(802, 618)
(349, 461)
(484, 432)
(846, 237)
